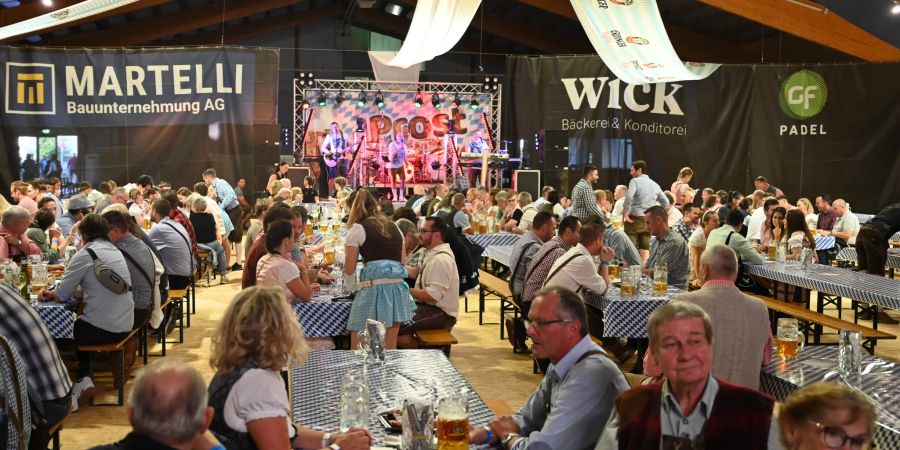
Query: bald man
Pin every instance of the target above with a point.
(846, 227)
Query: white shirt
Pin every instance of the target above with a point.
(674, 216)
(528, 213)
(578, 274)
(796, 240)
(847, 222)
(755, 225)
(275, 271)
(258, 394)
(619, 206)
(440, 279)
(698, 238)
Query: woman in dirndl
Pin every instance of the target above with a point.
(382, 294)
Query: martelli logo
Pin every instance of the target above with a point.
(803, 94)
(30, 88)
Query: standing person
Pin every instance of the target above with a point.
(239, 227)
(619, 195)
(397, 152)
(30, 167)
(584, 202)
(256, 339)
(681, 185)
(642, 194)
(334, 152)
(383, 294)
(280, 173)
(436, 290)
(872, 245)
(762, 184)
(230, 206)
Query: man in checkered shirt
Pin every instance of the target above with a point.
(45, 371)
(584, 202)
(670, 248)
(567, 236)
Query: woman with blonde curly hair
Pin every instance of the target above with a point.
(826, 416)
(809, 213)
(383, 294)
(259, 336)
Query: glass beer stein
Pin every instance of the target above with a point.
(789, 340)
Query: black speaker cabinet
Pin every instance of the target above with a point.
(556, 160)
(296, 175)
(527, 181)
(561, 180)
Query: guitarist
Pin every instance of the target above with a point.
(396, 164)
(334, 154)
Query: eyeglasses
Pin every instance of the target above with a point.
(544, 323)
(836, 437)
(423, 231)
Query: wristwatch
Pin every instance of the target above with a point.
(508, 439)
(326, 439)
(334, 447)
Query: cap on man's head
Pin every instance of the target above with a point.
(762, 179)
(84, 185)
(79, 201)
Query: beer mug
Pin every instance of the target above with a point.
(789, 339)
(417, 418)
(309, 228)
(40, 277)
(660, 279)
(354, 402)
(329, 255)
(453, 421)
(628, 282)
(773, 251)
(613, 269)
(147, 221)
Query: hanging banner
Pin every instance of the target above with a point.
(437, 25)
(128, 87)
(809, 129)
(630, 37)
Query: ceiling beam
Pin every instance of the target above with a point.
(154, 28)
(827, 29)
(121, 10)
(247, 31)
(689, 44)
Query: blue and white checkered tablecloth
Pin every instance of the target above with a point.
(875, 290)
(863, 218)
(499, 253)
(59, 320)
(849, 254)
(316, 387)
(626, 316)
(896, 236)
(321, 317)
(881, 384)
(824, 242)
(487, 240)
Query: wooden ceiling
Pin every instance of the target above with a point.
(727, 31)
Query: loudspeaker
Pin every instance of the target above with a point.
(561, 180)
(556, 160)
(296, 175)
(527, 181)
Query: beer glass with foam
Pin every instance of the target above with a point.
(789, 340)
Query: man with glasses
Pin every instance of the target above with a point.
(578, 390)
(437, 287)
(691, 408)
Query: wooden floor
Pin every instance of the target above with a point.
(486, 361)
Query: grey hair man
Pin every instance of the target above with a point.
(522, 217)
(579, 387)
(690, 408)
(167, 409)
(14, 244)
(619, 194)
(740, 322)
(118, 195)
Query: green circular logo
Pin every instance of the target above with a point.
(803, 94)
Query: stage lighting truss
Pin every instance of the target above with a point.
(489, 91)
(436, 100)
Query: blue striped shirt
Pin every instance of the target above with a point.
(226, 194)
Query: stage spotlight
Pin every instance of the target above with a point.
(379, 100)
(340, 97)
(304, 104)
(457, 101)
(322, 100)
(361, 102)
(418, 101)
(474, 103)
(436, 100)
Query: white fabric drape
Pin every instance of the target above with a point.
(630, 37)
(384, 72)
(437, 26)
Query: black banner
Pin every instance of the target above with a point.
(810, 130)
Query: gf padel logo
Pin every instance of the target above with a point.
(803, 94)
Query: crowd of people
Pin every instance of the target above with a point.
(407, 266)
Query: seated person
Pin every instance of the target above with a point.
(826, 415)
(310, 193)
(253, 342)
(108, 316)
(15, 244)
(275, 270)
(41, 225)
(173, 243)
(205, 229)
(798, 236)
(436, 290)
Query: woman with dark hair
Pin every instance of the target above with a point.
(797, 234)
(773, 229)
(281, 171)
(383, 294)
(108, 315)
(276, 269)
(41, 225)
(310, 193)
(405, 212)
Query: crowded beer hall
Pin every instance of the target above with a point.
(449, 224)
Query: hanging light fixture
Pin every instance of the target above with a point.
(379, 100)
(418, 101)
(322, 100)
(340, 97)
(456, 100)
(361, 102)
(436, 100)
(474, 103)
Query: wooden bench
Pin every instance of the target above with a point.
(499, 407)
(811, 321)
(175, 295)
(491, 284)
(118, 351)
(437, 338)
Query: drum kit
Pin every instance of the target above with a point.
(423, 161)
